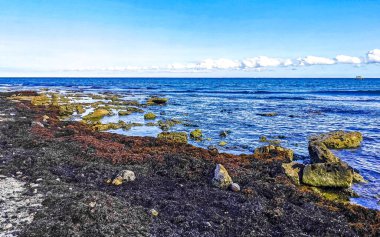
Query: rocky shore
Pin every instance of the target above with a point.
(82, 182)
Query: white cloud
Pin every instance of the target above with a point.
(313, 60)
(263, 61)
(347, 59)
(373, 56)
(248, 64)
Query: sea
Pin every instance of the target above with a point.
(304, 106)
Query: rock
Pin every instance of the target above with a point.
(153, 212)
(117, 181)
(358, 178)
(263, 139)
(92, 204)
(293, 170)
(340, 139)
(273, 151)
(157, 101)
(45, 118)
(270, 114)
(127, 175)
(224, 133)
(319, 153)
(221, 177)
(97, 114)
(149, 116)
(196, 134)
(36, 123)
(176, 137)
(235, 187)
(8, 226)
(222, 143)
(124, 112)
(335, 175)
(213, 150)
(165, 125)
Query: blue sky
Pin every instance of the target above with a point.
(244, 38)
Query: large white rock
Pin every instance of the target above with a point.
(221, 177)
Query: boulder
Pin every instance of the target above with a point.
(157, 101)
(175, 137)
(149, 116)
(293, 170)
(340, 139)
(319, 153)
(221, 177)
(127, 175)
(336, 175)
(273, 151)
(196, 134)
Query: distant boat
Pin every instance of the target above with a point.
(359, 78)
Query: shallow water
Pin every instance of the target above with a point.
(304, 107)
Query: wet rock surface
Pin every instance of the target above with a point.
(173, 179)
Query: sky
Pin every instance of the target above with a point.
(183, 38)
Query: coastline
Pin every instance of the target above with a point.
(175, 179)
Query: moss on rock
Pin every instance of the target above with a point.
(149, 116)
(273, 151)
(196, 134)
(335, 175)
(157, 101)
(293, 170)
(176, 137)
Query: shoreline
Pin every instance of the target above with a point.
(174, 179)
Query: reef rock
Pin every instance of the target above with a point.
(319, 153)
(273, 151)
(221, 177)
(336, 175)
(293, 170)
(97, 114)
(176, 137)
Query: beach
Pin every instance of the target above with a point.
(71, 170)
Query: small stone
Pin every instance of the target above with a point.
(213, 150)
(221, 177)
(35, 123)
(39, 180)
(224, 133)
(92, 204)
(127, 175)
(196, 134)
(222, 143)
(235, 187)
(117, 181)
(45, 118)
(8, 226)
(18, 173)
(153, 212)
(35, 191)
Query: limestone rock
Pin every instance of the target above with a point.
(127, 175)
(319, 153)
(221, 177)
(335, 175)
(273, 151)
(340, 139)
(293, 170)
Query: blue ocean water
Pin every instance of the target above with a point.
(304, 107)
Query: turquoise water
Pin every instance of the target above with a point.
(304, 107)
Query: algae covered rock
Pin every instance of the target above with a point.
(97, 114)
(124, 112)
(196, 134)
(340, 139)
(319, 153)
(149, 116)
(273, 151)
(222, 143)
(293, 170)
(165, 125)
(157, 101)
(175, 137)
(221, 177)
(335, 175)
